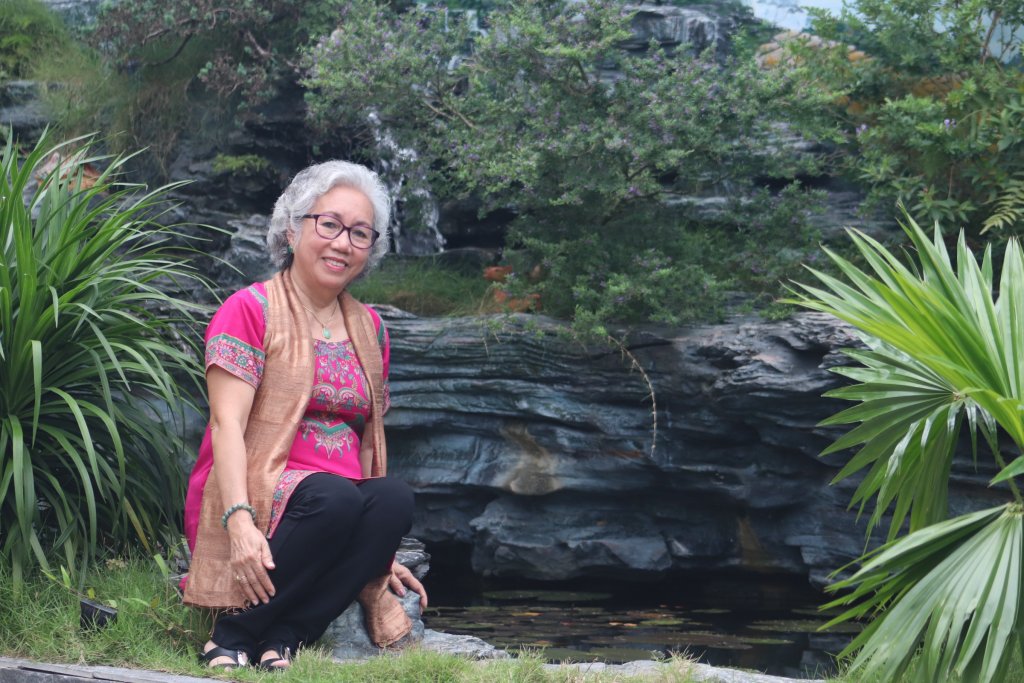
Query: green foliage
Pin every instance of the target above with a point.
(250, 44)
(147, 110)
(424, 288)
(931, 106)
(157, 68)
(90, 400)
(27, 28)
(240, 164)
(526, 117)
(943, 351)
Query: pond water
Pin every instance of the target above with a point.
(615, 623)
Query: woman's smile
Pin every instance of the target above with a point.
(322, 267)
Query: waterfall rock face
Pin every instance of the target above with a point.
(22, 110)
(671, 27)
(75, 12)
(537, 454)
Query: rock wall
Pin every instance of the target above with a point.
(75, 12)
(537, 453)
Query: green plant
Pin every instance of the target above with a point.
(944, 344)
(595, 156)
(253, 42)
(930, 103)
(422, 287)
(27, 28)
(240, 164)
(94, 369)
(145, 72)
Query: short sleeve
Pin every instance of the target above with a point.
(234, 337)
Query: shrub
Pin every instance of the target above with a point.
(930, 103)
(148, 71)
(527, 116)
(240, 164)
(90, 400)
(425, 288)
(27, 28)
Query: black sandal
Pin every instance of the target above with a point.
(268, 664)
(238, 658)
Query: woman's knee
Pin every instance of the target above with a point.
(327, 496)
(390, 498)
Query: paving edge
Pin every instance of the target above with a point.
(26, 671)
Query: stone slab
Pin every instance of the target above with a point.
(25, 671)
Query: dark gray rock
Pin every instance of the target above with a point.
(690, 671)
(75, 12)
(538, 454)
(347, 633)
(22, 111)
(670, 26)
(469, 647)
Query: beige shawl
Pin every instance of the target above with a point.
(277, 409)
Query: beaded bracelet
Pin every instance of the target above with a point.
(235, 508)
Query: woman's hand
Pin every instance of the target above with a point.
(250, 558)
(402, 577)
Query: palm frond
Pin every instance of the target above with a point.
(946, 595)
(943, 351)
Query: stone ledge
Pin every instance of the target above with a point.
(25, 671)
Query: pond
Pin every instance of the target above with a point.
(771, 628)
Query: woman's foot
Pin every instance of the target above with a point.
(275, 657)
(216, 657)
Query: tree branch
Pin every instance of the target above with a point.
(988, 36)
(184, 42)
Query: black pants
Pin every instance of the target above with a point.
(334, 536)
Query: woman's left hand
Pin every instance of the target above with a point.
(402, 577)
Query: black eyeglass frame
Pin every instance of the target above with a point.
(344, 228)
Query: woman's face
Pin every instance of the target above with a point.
(328, 266)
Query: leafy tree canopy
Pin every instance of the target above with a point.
(256, 41)
(931, 102)
(543, 113)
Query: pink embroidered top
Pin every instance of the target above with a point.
(329, 436)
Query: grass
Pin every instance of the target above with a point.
(424, 288)
(25, 25)
(153, 630)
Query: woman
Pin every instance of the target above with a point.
(289, 515)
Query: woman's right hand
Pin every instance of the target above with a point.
(250, 558)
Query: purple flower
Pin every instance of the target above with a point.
(949, 123)
(861, 129)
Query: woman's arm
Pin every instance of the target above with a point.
(231, 400)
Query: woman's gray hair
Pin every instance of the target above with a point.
(307, 187)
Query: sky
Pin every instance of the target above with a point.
(788, 13)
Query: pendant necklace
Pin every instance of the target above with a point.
(325, 329)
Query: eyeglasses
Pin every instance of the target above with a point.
(360, 236)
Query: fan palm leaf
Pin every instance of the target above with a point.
(943, 353)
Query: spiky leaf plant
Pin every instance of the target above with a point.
(945, 350)
(94, 372)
